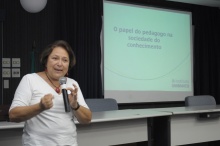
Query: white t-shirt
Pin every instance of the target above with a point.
(52, 127)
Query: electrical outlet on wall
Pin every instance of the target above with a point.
(16, 62)
(6, 72)
(6, 62)
(15, 72)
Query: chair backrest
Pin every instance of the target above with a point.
(101, 104)
(200, 100)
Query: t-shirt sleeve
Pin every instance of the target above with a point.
(22, 94)
(81, 99)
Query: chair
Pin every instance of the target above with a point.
(101, 104)
(200, 100)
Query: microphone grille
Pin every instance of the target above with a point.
(62, 80)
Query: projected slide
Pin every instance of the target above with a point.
(146, 50)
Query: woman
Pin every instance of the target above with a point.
(38, 101)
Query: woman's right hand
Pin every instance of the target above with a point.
(46, 102)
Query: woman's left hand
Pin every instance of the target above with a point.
(83, 114)
(73, 96)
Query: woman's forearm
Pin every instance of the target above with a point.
(83, 115)
(23, 113)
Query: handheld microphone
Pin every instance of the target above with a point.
(62, 82)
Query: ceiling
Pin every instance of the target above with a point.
(212, 3)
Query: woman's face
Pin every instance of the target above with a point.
(57, 63)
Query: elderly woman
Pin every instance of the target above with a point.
(38, 101)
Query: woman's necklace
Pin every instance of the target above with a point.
(57, 89)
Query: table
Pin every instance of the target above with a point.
(160, 126)
(106, 128)
(196, 124)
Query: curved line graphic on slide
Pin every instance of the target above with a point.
(114, 71)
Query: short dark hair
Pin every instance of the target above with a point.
(59, 43)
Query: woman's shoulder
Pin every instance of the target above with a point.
(31, 76)
(70, 80)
